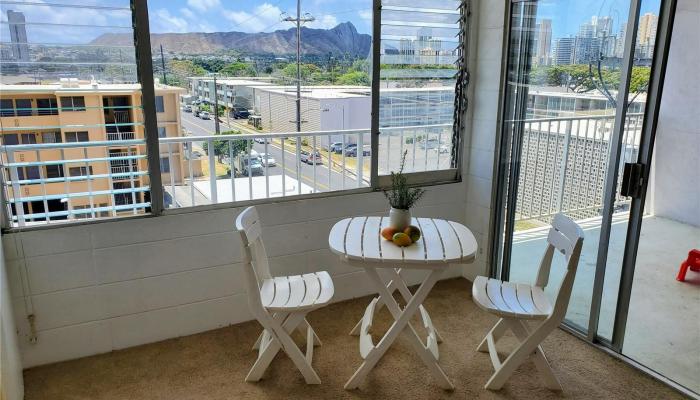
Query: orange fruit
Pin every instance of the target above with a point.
(402, 239)
(413, 232)
(388, 233)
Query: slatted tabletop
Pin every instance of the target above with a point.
(441, 242)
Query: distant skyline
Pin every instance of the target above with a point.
(568, 15)
(263, 16)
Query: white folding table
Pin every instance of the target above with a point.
(358, 241)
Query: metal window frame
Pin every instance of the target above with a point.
(144, 67)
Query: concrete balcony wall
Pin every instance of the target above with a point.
(105, 286)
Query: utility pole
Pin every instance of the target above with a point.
(162, 63)
(298, 21)
(216, 106)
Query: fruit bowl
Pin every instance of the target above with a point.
(402, 237)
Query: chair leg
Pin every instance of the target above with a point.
(550, 381)
(499, 378)
(298, 358)
(496, 332)
(256, 346)
(681, 273)
(267, 353)
(304, 328)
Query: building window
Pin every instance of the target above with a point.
(73, 103)
(160, 105)
(46, 107)
(79, 171)
(51, 137)
(10, 139)
(7, 108)
(77, 137)
(164, 165)
(161, 132)
(24, 107)
(28, 138)
(54, 171)
(28, 173)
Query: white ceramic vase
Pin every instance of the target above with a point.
(399, 219)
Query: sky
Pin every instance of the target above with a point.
(253, 16)
(568, 15)
(258, 16)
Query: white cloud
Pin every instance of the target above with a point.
(264, 16)
(187, 13)
(324, 22)
(203, 5)
(366, 15)
(166, 22)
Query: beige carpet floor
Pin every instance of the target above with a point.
(212, 365)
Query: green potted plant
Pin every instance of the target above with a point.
(401, 198)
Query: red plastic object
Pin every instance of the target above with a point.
(693, 262)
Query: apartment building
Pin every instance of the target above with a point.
(76, 149)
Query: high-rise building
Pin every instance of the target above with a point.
(587, 46)
(544, 42)
(563, 51)
(620, 42)
(646, 36)
(18, 35)
(647, 29)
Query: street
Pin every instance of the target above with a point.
(313, 175)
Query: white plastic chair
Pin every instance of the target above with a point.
(280, 304)
(525, 310)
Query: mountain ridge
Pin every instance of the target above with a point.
(338, 40)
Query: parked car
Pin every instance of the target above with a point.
(256, 167)
(204, 115)
(336, 147)
(240, 113)
(267, 160)
(309, 158)
(197, 112)
(350, 148)
(352, 152)
(261, 140)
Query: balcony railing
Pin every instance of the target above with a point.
(564, 162)
(89, 179)
(89, 193)
(120, 136)
(341, 162)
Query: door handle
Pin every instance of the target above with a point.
(632, 180)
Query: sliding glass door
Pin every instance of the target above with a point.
(582, 93)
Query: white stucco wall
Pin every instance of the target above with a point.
(676, 184)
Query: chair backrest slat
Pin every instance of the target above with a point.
(255, 262)
(567, 237)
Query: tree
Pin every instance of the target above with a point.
(225, 148)
(355, 78)
(238, 69)
(290, 70)
(179, 70)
